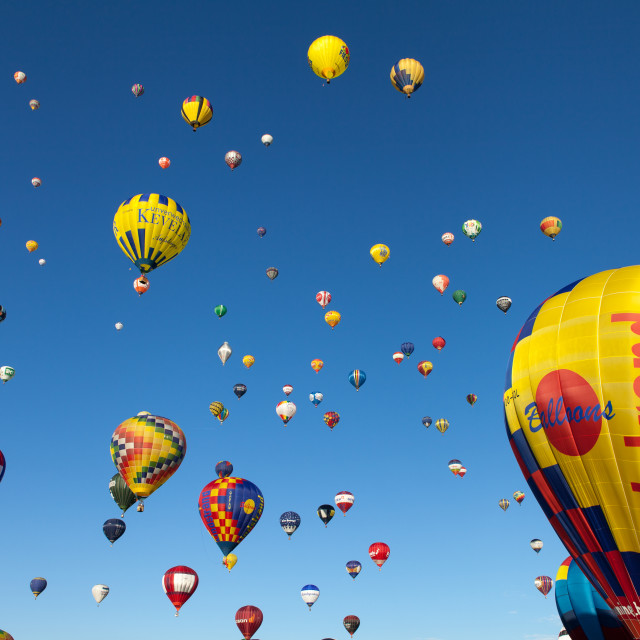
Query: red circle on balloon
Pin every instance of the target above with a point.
(569, 411)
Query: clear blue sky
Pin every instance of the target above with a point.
(527, 110)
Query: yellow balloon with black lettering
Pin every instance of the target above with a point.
(407, 76)
(151, 230)
(380, 253)
(572, 407)
(328, 57)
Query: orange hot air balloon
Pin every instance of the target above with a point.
(165, 163)
(332, 318)
(447, 238)
(439, 343)
(440, 283)
(425, 367)
(316, 365)
(141, 285)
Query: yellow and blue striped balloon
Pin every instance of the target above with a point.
(407, 76)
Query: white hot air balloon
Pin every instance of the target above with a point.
(6, 373)
(287, 389)
(267, 139)
(536, 545)
(42, 262)
(119, 326)
(233, 159)
(286, 410)
(99, 592)
(224, 352)
(310, 593)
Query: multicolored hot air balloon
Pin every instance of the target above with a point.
(325, 513)
(316, 397)
(536, 545)
(407, 348)
(551, 227)
(504, 304)
(331, 419)
(151, 230)
(351, 624)
(357, 378)
(286, 410)
(196, 111)
(289, 521)
(407, 76)
(114, 529)
(472, 229)
(332, 318)
(216, 408)
(380, 253)
(272, 273)
(230, 508)
(34, 104)
(544, 584)
(344, 501)
(309, 594)
(20, 77)
(6, 373)
(439, 343)
(328, 57)
(287, 389)
(224, 414)
(141, 285)
(570, 404)
(248, 620)
(448, 238)
(229, 561)
(36, 182)
(472, 398)
(179, 583)
(442, 425)
(463, 472)
(426, 421)
(121, 494)
(354, 568)
(3, 465)
(503, 504)
(323, 298)
(518, 496)
(379, 552)
(262, 232)
(147, 450)
(425, 367)
(37, 586)
(239, 390)
(398, 356)
(455, 466)
(137, 90)
(224, 469)
(233, 159)
(248, 361)
(5, 635)
(440, 283)
(316, 365)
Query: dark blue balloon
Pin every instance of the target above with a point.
(289, 521)
(37, 586)
(224, 469)
(113, 529)
(239, 390)
(262, 232)
(407, 348)
(426, 421)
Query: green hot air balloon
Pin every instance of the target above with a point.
(220, 310)
(121, 493)
(459, 296)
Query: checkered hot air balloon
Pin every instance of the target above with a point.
(331, 419)
(179, 583)
(518, 496)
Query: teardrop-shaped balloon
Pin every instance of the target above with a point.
(248, 620)
(233, 159)
(439, 343)
(224, 352)
(220, 310)
(286, 410)
(351, 624)
(121, 494)
(239, 390)
(216, 408)
(248, 361)
(544, 584)
(426, 421)
(287, 389)
(379, 552)
(289, 521)
(442, 424)
(230, 561)
(503, 303)
(472, 229)
(316, 398)
(99, 592)
(425, 367)
(331, 419)
(472, 398)
(316, 365)
(272, 273)
(323, 298)
(357, 378)
(503, 504)
(354, 568)
(448, 238)
(328, 57)
(37, 586)
(179, 583)
(344, 501)
(113, 529)
(440, 283)
(380, 253)
(459, 296)
(224, 469)
(536, 545)
(551, 226)
(326, 513)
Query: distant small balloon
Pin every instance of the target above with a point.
(459, 296)
(472, 398)
(224, 352)
(224, 469)
(137, 90)
(31, 245)
(141, 285)
(6, 373)
(34, 104)
(119, 326)
(398, 357)
(331, 419)
(472, 229)
(248, 361)
(233, 159)
(42, 262)
(426, 421)
(439, 343)
(239, 390)
(503, 504)
(357, 378)
(267, 139)
(504, 304)
(287, 389)
(316, 398)
(447, 238)
(220, 310)
(323, 298)
(165, 163)
(425, 367)
(440, 282)
(536, 545)
(272, 273)
(286, 410)
(20, 77)
(442, 424)
(316, 365)
(332, 318)
(36, 182)
(262, 232)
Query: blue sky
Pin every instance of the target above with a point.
(527, 110)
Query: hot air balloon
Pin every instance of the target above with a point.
(572, 421)
(472, 229)
(439, 342)
(332, 318)
(20, 77)
(440, 282)
(248, 361)
(316, 365)
(121, 494)
(267, 139)
(398, 357)
(325, 513)
(233, 159)
(357, 378)
(3, 465)
(196, 111)
(462, 473)
(407, 348)
(316, 398)
(287, 389)
(5, 635)
(536, 545)
(544, 584)
(113, 529)
(224, 469)
(230, 508)
(503, 504)
(224, 414)
(455, 466)
(42, 262)
(262, 232)
(99, 592)
(426, 421)
(328, 57)
(447, 238)
(504, 304)
(551, 227)
(147, 450)
(286, 410)
(459, 296)
(379, 253)
(564, 635)
(272, 273)
(220, 310)
(351, 624)
(379, 552)
(216, 408)
(518, 496)
(151, 230)
(164, 163)
(137, 90)
(224, 352)
(354, 568)
(289, 521)
(36, 182)
(472, 398)
(141, 285)
(31, 245)
(179, 583)
(119, 326)
(442, 425)
(34, 104)
(248, 620)
(6, 373)
(309, 593)
(37, 586)
(344, 501)
(425, 367)
(331, 419)
(407, 76)
(3, 313)
(239, 390)
(230, 561)
(323, 298)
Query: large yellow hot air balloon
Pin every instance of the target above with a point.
(151, 230)
(328, 57)
(407, 76)
(380, 253)
(572, 404)
(196, 111)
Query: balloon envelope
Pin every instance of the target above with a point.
(121, 494)
(407, 76)
(224, 469)
(328, 57)
(248, 620)
(289, 521)
(357, 378)
(99, 592)
(379, 552)
(325, 513)
(196, 111)
(179, 583)
(113, 529)
(37, 586)
(354, 568)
